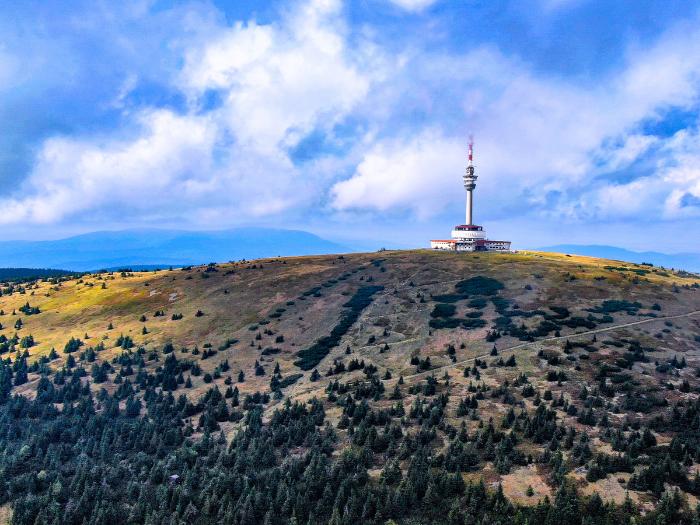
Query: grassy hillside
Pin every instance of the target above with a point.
(503, 343)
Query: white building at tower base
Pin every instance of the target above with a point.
(469, 238)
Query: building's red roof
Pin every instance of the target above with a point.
(479, 242)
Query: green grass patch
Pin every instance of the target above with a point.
(479, 285)
(617, 305)
(443, 310)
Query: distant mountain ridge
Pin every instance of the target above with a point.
(21, 274)
(161, 248)
(683, 261)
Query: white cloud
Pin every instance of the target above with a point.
(394, 172)
(621, 155)
(638, 198)
(277, 82)
(681, 173)
(125, 89)
(537, 136)
(173, 167)
(71, 176)
(543, 143)
(662, 195)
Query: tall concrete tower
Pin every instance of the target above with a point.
(470, 182)
(469, 237)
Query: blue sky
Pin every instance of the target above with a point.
(350, 119)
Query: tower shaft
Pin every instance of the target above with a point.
(470, 205)
(469, 185)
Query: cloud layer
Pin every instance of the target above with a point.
(313, 114)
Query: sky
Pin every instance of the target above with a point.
(351, 119)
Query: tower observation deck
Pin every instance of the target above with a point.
(469, 237)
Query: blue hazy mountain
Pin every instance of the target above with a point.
(150, 248)
(683, 261)
(21, 274)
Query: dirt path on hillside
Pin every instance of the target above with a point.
(556, 338)
(305, 387)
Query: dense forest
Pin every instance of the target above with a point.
(95, 461)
